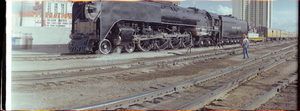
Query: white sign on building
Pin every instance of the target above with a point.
(56, 13)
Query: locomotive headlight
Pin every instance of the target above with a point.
(92, 9)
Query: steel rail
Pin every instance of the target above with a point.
(39, 57)
(104, 67)
(58, 56)
(47, 57)
(124, 65)
(24, 79)
(141, 65)
(148, 96)
(263, 99)
(35, 55)
(220, 92)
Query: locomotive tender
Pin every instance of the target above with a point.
(156, 25)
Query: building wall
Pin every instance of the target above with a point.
(44, 35)
(240, 9)
(237, 12)
(55, 13)
(48, 23)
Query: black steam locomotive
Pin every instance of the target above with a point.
(148, 25)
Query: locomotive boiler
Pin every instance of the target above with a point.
(148, 25)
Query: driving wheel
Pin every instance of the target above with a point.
(145, 45)
(175, 43)
(187, 41)
(130, 47)
(162, 44)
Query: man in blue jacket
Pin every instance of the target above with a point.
(245, 46)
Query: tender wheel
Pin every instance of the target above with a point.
(105, 46)
(175, 43)
(130, 47)
(145, 45)
(162, 44)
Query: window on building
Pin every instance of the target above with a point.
(62, 8)
(55, 8)
(49, 8)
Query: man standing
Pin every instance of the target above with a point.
(245, 46)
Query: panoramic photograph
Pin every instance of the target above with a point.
(151, 54)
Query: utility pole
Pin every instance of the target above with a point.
(42, 21)
(21, 13)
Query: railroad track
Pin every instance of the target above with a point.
(200, 102)
(65, 56)
(127, 102)
(51, 57)
(263, 99)
(146, 65)
(72, 56)
(282, 99)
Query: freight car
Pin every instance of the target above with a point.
(272, 34)
(255, 37)
(148, 25)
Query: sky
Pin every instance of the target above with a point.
(285, 12)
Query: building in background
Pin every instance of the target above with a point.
(55, 13)
(238, 8)
(256, 12)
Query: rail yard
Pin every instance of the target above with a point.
(150, 55)
(205, 78)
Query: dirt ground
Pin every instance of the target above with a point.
(75, 92)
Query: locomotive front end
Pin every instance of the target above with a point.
(85, 27)
(107, 25)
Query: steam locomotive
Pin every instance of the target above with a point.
(148, 25)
